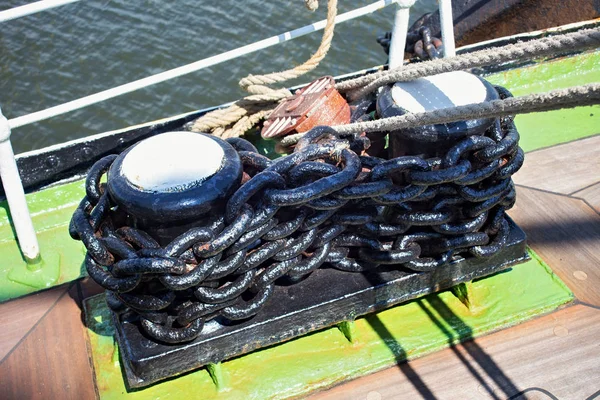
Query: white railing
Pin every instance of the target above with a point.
(15, 196)
(447, 28)
(192, 67)
(32, 8)
(398, 42)
(9, 173)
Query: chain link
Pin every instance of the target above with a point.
(325, 205)
(419, 42)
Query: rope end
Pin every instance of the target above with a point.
(312, 5)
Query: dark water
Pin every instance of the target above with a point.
(82, 48)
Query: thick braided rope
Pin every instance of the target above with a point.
(245, 123)
(257, 83)
(576, 96)
(548, 46)
(251, 109)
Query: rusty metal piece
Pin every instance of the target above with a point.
(427, 47)
(318, 103)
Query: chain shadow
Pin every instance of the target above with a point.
(395, 347)
(464, 332)
(459, 330)
(400, 356)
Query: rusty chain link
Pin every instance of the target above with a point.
(419, 42)
(325, 205)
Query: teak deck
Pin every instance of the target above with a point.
(43, 347)
(556, 356)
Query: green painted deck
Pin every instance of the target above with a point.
(51, 210)
(324, 358)
(547, 129)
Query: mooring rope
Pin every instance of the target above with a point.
(556, 99)
(247, 112)
(533, 49)
(236, 119)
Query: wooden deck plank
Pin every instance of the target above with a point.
(52, 362)
(565, 233)
(556, 354)
(18, 317)
(591, 195)
(565, 169)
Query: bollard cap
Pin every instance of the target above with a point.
(435, 92)
(174, 177)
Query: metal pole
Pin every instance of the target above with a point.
(32, 8)
(447, 25)
(15, 195)
(399, 31)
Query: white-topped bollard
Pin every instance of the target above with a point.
(15, 195)
(172, 161)
(431, 93)
(171, 182)
(450, 89)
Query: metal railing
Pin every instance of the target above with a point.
(32, 8)
(195, 66)
(8, 169)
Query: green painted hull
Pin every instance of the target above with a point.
(52, 208)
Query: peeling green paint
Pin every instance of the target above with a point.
(325, 358)
(52, 208)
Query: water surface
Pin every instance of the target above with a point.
(82, 48)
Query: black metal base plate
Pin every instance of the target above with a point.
(326, 298)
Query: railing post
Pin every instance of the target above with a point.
(447, 27)
(13, 188)
(399, 31)
(36, 272)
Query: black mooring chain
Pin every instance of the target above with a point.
(325, 205)
(419, 42)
